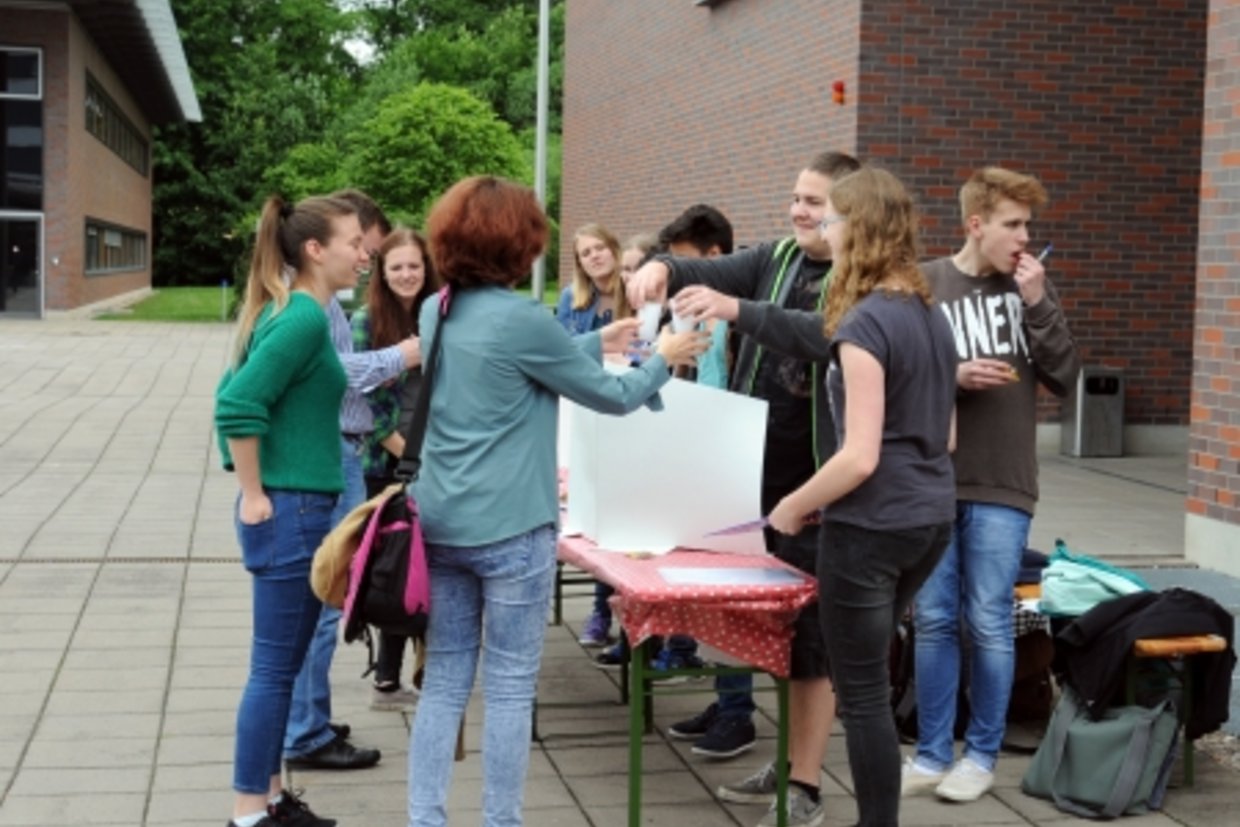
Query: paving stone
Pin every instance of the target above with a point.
(102, 809)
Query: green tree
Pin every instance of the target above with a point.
(423, 140)
(269, 76)
(498, 62)
(386, 23)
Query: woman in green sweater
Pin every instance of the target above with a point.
(488, 494)
(276, 413)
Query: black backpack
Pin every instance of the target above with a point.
(388, 584)
(389, 587)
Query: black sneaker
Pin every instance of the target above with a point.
(291, 811)
(613, 657)
(696, 726)
(727, 738)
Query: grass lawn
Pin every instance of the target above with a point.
(202, 304)
(175, 304)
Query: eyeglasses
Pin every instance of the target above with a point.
(828, 220)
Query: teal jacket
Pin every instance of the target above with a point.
(489, 458)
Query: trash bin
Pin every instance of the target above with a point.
(1093, 415)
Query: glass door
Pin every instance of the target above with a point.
(21, 264)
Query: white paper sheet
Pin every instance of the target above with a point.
(649, 482)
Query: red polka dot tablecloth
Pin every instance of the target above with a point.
(752, 623)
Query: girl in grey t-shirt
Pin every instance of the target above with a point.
(888, 493)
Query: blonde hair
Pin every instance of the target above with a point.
(279, 242)
(583, 286)
(645, 242)
(880, 242)
(988, 186)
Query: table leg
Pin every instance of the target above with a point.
(637, 729)
(781, 755)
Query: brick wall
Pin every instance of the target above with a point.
(1103, 103)
(1214, 434)
(48, 30)
(110, 189)
(81, 176)
(667, 103)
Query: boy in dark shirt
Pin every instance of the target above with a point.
(790, 273)
(1011, 336)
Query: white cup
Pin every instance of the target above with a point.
(681, 323)
(648, 315)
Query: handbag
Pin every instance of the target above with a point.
(334, 558)
(1072, 584)
(1118, 765)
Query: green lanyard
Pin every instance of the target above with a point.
(813, 375)
(786, 248)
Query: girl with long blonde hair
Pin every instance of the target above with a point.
(887, 497)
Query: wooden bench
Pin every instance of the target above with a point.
(1177, 649)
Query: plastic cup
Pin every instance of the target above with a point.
(648, 316)
(680, 323)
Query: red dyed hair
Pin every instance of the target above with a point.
(486, 230)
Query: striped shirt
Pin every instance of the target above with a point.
(363, 371)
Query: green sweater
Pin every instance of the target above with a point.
(488, 462)
(287, 393)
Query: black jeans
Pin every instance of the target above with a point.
(866, 580)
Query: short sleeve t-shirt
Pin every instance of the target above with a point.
(914, 484)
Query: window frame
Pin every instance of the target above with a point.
(128, 236)
(112, 127)
(38, 53)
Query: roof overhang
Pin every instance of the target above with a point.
(139, 39)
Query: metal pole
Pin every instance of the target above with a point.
(540, 133)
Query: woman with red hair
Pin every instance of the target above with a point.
(488, 492)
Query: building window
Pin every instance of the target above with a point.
(21, 73)
(110, 248)
(21, 129)
(106, 122)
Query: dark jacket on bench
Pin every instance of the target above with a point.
(1095, 645)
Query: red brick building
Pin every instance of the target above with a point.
(1213, 525)
(81, 84)
(670, 102)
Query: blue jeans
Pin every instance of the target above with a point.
(277, 552)
(602, 594)
(866, 580)
(735, 696)
(491, 599)
(973, 582)
(311, 711)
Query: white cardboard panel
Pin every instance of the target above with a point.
(649, 482)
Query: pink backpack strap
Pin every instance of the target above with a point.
(358, 564)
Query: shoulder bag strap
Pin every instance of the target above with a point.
(410, 464)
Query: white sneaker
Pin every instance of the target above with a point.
(401, 699)
(966, 782)
(916, 779)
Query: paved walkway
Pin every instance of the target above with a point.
(124, 620)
